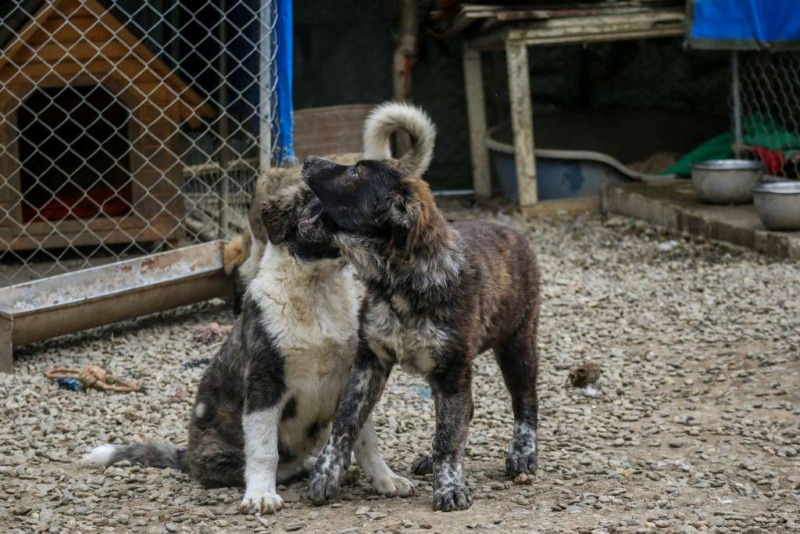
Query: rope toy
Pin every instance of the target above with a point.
(92, 377)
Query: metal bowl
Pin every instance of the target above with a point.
(778, 205)
(726, 181)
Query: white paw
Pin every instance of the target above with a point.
(393, 486)
(260, 501)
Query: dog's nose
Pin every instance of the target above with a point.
(309, 161)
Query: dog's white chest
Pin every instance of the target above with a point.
(412, 342)
(314, 325)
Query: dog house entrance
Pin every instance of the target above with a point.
(74, 155)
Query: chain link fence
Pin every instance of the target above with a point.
(128, 127)
(766, 109)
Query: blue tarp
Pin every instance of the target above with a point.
(745, 24)
(285, 153)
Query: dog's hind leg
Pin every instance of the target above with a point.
(518, 360)
(383, 479)
(452, 394)
(221, 468)
(422, 465)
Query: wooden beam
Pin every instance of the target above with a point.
(28, 30)
(106, 230)
(645, 24)
(476, 111)
(522, 122)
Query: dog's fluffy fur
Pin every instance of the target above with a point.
(264, 404)
(245, 251)
(437, 295)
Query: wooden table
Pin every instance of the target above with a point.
(642, 23)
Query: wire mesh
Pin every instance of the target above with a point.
(769, 115)
(128, 127)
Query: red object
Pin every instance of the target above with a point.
(773, 159)
(72, 203)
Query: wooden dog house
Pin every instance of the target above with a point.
(89, 129)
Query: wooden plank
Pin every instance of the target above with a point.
(173, 172)
(29, 30)
(74, 226)
(96, 232)
(611, 37)
(71, 30)
(476, 111)
(585, 29)
(132, 69)
(11, 185)
(649, 24)
(527, 14)
(647, 19)
(81, 51)
(523, 14)
(522, 121)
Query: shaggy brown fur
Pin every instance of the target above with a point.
(438, 294)
(235, 252)
(378, 128)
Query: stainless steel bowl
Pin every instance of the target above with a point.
(778, 205)
(726, 181)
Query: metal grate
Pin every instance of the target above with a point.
(127, 127)
(766, 109)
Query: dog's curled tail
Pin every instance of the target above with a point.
(390, 117)
(148, 454)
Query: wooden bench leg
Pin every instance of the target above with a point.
(522, 121)
(476, 111)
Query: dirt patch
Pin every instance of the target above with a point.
(695, 425)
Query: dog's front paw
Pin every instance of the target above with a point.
(452, 497)
(393, 486)
(255, 501)
(403, 486)
(322, 487)
(521, 462)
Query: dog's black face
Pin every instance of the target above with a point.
(293, 217)
(367, 199)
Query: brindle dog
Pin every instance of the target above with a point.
(438, 294)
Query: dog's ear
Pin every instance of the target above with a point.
(407, 216)
(276, 213)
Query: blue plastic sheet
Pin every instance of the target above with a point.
(285, 154)
(745, 24)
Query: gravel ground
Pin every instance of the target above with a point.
(694, 425)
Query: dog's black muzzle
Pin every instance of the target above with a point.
(318, 171)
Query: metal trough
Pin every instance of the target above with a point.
(84, 299)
